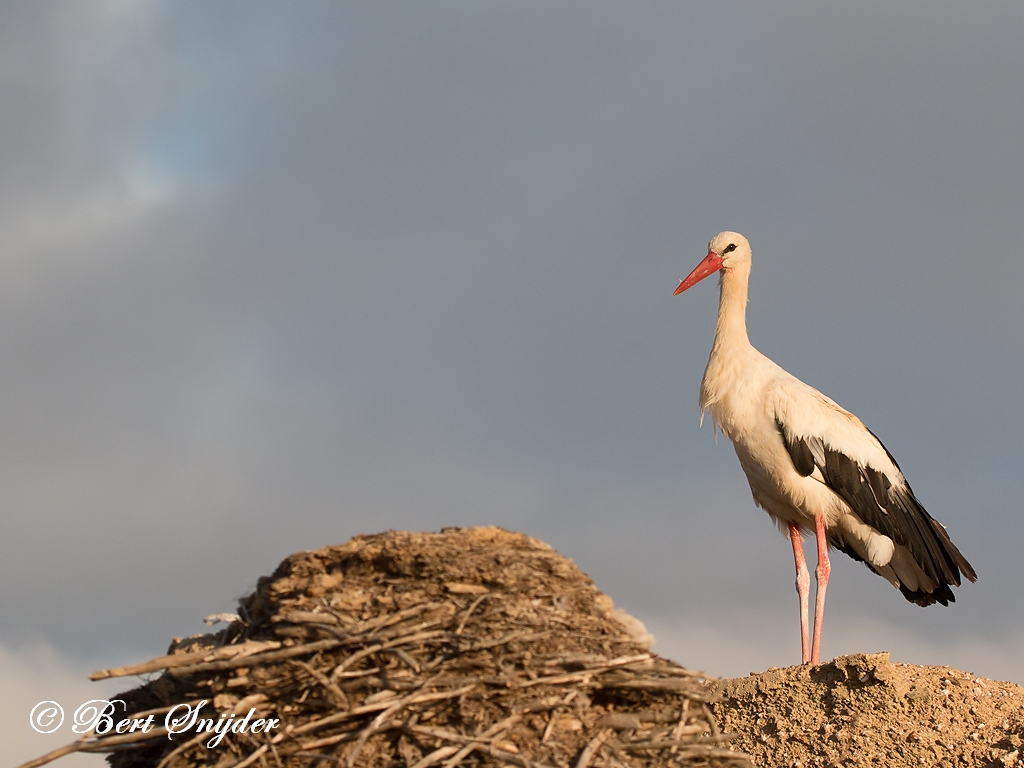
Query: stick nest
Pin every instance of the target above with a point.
(466, 647)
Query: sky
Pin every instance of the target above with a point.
(272, 276)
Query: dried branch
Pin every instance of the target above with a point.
(591, 749)
(493, 731)
(436, 756)
(469, 612)
(262, 658)
(185, 659)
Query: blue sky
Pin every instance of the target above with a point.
(274, 276)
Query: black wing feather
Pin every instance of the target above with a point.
(890, 510)
(801, 454)
(942, 595)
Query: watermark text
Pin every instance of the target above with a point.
(98, 717)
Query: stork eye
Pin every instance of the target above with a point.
(729, 248)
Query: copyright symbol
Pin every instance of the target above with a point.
(46, 717)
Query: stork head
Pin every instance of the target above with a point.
(726, 251)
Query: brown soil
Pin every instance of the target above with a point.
(864, 710)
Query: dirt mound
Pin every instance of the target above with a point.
(864, 710)
(484, 647)
(469, 646)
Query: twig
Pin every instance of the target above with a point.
(259, 658)
(327, 741)
(671, 685)
(252, 758)
(185, 659)
(436, 756)
(469, 612)
(101, 745)
(509, 757)
(305, 617)
(240, 706)
(359, 655)
(662, 669)
(588, 751)
(315, 725)
(336, 693)
(343, 620)
(277, 757)
(611, 755)
(517, 635)
(405, 657)
(359, 673)
(318, 756)
(493, 731)
(98, 745)
(407, 631)
(548, 728)
(593, 666)
(446, 735)
(584, 674)
(194, 741)
(331, 630)
(377, 724)
(367, 630)
(677, 732)
(711, 720)
(49, 757)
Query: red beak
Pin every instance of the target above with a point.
(711, 264)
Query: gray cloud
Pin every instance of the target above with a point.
(273, 277)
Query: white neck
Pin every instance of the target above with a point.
(731, 350)
(731, 329)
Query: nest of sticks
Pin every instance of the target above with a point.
(466, 647)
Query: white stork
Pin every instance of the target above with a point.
(813, 465)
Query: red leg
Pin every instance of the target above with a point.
(821, 576)
(803, 584)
